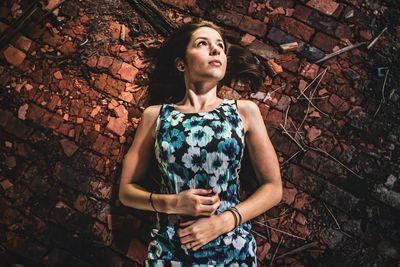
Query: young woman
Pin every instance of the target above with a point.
(198, 143)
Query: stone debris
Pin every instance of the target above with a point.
(22, 111)
(14, 56)
(75, 86)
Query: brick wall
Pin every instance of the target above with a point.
(73, 88)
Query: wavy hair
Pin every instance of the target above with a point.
(166, 83)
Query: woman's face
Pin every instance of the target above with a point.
(205, 56)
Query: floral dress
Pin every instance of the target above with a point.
(200, 150)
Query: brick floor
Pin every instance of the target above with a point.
(72, 93)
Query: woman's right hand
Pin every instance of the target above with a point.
(197, 202)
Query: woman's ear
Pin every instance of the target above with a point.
(179, 64)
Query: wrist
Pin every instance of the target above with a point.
(167, 202)
(227, 221)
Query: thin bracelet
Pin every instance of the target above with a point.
(234, 216)
(240, 215)
(151, 202)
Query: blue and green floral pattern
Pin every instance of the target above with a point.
(200, 150)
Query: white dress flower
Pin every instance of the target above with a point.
(216, 163)
(200, 136)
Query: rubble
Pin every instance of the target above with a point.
(74, 82)
(14, 56)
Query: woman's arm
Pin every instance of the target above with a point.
(265, 163)
(266, 166)
(135, 165)
(194, 202)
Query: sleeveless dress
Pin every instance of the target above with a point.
(200, 150)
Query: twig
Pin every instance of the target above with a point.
(383, 93)
(376, 38)
(283, 85)
(257, 233)
(294, 155)
(291, 137)
(317, 97)
(333, 158)
(340, 51)
(286, 115)
(308, 85)
(337, 224)
(281, 216)
(309, 101)
(280, 231)
(299, 249)
(276, 250)
(313, 104)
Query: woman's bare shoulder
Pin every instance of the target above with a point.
(247, 109)
(151, 112)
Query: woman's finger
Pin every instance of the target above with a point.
(187, 223)
(199, 191)
(197, 246)
(209, 200)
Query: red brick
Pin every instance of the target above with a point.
(53, 122)
(102, 144)
(76, 106)
(336, 101)
(67, 48)
(324, 42)
(68, 146)
(35, 113)
(104, 62)
(309, 70)
(192, 5)
(280, 37)
(253, 26)
(115, 67)
(228, 18)
(327, 7)
(289, 195)
(14, 56)
(101, 189)
(293, 27)
(52, 39)
(325, 106)
(302, 13)
(92, 61)
(263, 50)
(117, 125)
(127, 72)
(24, 43)
(247, 39)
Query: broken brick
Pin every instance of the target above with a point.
(68, 146)
(14, 56)
(117, 125)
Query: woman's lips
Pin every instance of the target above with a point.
(215, 63)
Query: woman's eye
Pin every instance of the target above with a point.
(221, 45)
(202, 42)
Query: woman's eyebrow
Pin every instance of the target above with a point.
(201, 37)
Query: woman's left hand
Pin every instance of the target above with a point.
(196, 233)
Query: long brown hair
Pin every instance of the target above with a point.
(166, 83)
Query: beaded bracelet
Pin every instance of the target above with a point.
(151, 202)
(234, 216)
(240, 215)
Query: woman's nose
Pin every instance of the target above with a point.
(214, 50)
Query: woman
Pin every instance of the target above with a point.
(199, 144)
